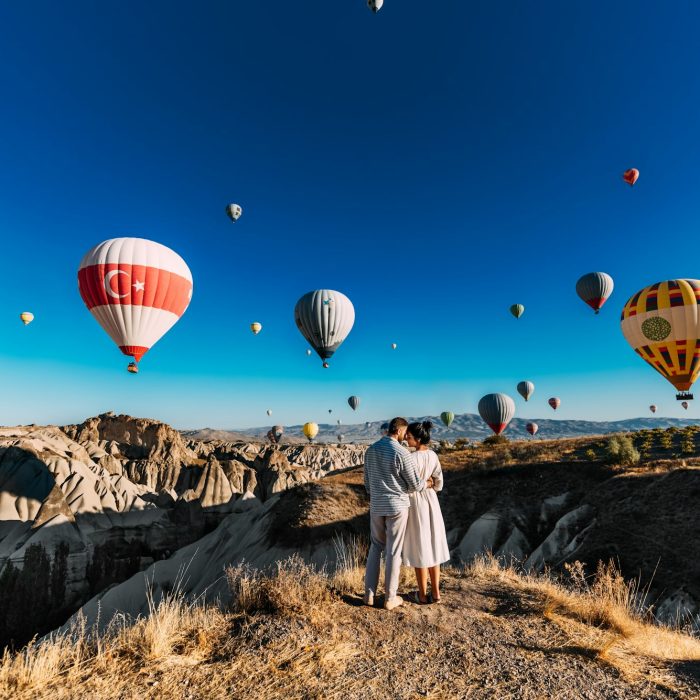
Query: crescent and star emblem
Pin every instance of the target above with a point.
(138, 286)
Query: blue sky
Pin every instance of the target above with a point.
(435, 162)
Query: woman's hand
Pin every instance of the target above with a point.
(429, 483)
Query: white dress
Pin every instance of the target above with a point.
(425, 544)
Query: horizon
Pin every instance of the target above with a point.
(435, 166)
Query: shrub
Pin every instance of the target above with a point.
(495, 440)
(688, 446)
(590, 454)
(621, 450)
(461, 443)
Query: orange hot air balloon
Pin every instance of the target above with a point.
(630, 176)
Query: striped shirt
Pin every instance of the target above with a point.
(390, 475)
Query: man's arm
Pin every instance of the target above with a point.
(368, 459)
(409, 473)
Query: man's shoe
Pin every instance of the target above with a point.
(369, 599)
(393, 603)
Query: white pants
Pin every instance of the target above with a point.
(387, 533)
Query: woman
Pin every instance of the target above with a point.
(425, 546)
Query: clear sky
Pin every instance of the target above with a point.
(436, 162)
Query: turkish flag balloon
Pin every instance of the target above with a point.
(136, 289)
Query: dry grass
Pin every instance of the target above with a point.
(294, 632)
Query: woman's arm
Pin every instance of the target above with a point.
(437, 475)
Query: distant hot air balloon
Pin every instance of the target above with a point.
(339, 421)
(517, 310)
(554, 402)
(662, 323)
(630, 176)
(133, 368)
(368, 424)
(310, 430)
(652, 408)
(308, 352)
(256, 327)
(269, 411)
(325, 318)
(136, 289)
(354, 402)
(393, 346)
(330, 410)
(526, 389)
(532, 428)
(497, 410)
(447, 417)
(384, 428)
(595, 288)
(26, 317)
(278, 430)
(341, 437)
(375, 5)
(234, 211)
(685, 405)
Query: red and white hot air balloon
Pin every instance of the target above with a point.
(532, 428)
(554, 402)
(631, 176)
(136, 289)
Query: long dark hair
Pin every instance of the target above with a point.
(421, 431)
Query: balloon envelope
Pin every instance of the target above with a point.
(652, 408)
(325, 318)
(526, 389)
(393, 346)
(631, 176)
(532, 428)
(497, 410)
(662, 323)
(256, 327)
(26, 317)
(684, 404)
(354, 402)
(595, 288)
(136, 289)
(517, 310)
(447, 417)
(269, 411)
(554, 402)
(234, 211)
(310, 430)
(375, 5)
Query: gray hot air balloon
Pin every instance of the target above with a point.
(325, 318)
(340, 437)
(354, 402)
(526, 389)
(497, 410)
(595, 288)
(234, 211)
(375, 5)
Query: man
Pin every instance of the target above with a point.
(390, 475)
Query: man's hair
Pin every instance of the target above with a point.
(395, 424)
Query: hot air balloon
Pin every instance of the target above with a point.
(234, 212)
(595, 288)
(136, 289)
(447, 417)
(340, 437)
(375, 5)
(662, 323)
(269, 411)
(26, 317)
(278, 430)
(339, 421)
(652, 408)
(354, 402)
(368, 424)
(393, 346)
(526, 389)
(630, 176)
(310, 430)
(325, 318)
(133, 368)
(330, 410)
(685, 405)
(554, 402)
(517, 310)
(497, 410)
(308, 352)
(256, 327)
(532, 428)
(384, 428)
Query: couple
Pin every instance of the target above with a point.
(405, 515)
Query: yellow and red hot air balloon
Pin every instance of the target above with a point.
(136, 289)
(26, 317)
(256, 327)
(662, 323)
(631, 176)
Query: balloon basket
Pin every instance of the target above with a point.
(684, 396)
